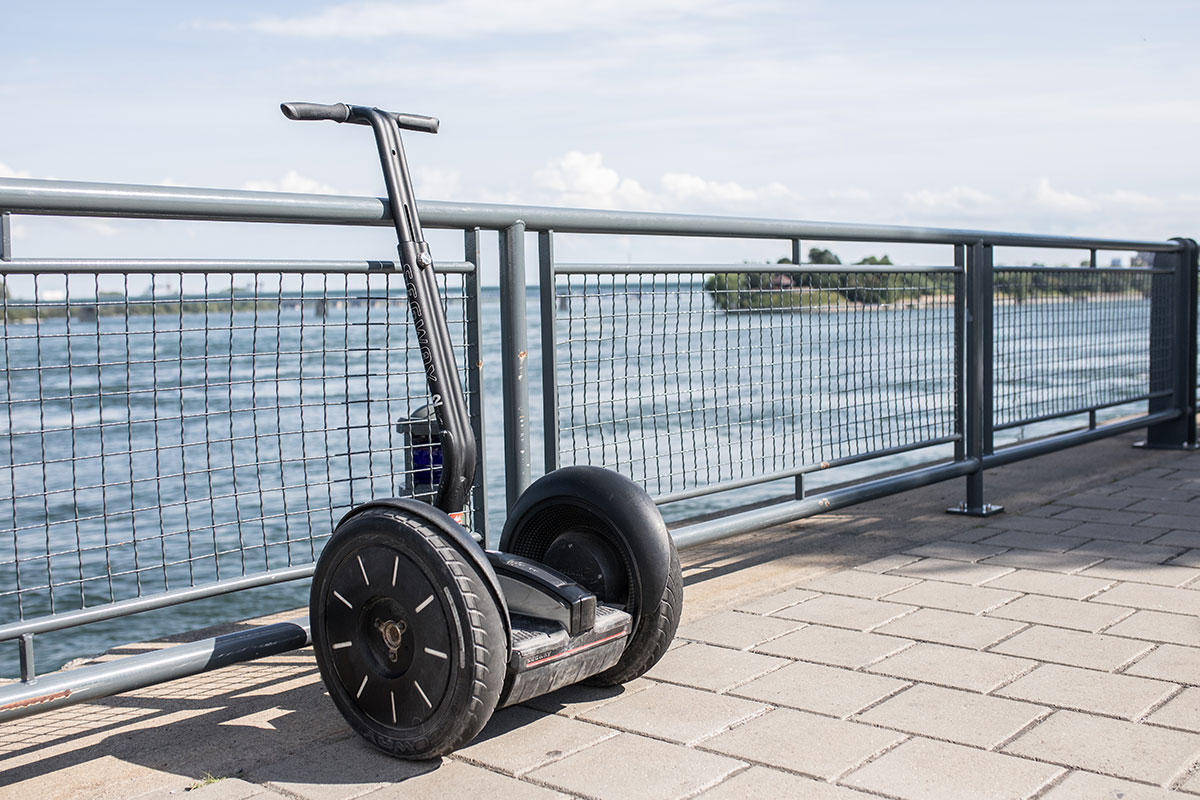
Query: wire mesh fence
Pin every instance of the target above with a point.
(1072, 340)
(168, 430)
(686, 380)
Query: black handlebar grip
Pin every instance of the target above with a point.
(416, 122)
(338, 112)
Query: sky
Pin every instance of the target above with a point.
(1048, 117)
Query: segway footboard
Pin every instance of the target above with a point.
(560, 634)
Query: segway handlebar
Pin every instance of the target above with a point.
(356, 115)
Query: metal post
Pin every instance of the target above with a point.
(1173, 331)
(979, 355)
(28, 670)
(1092, 412)
(549, 329)
(5, 237)
(796, 251)
(960, 319)
(475, 383)
(514, 358)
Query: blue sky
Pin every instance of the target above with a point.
(1057, 117)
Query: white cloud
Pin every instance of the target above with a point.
(291, 182)
(435, 183)
(581, 179)
(1124, 197)
(8, 172)
(1062, 202)
(957, 198)
(462, 19)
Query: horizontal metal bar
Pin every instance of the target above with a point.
(68, 687)
(779, 513)
(1080, 410)
(726, 486)
(1020, 452)
(708, 269)
(1089, 270)
(35, 266)
(124, 608)
(68, 198)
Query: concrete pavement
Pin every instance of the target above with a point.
(889, 650)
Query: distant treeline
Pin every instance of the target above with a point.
(785, 289)
(114, 304)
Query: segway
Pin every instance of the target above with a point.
(420, 634)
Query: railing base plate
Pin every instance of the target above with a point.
(986, 510)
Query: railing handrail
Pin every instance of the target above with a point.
(75, 198)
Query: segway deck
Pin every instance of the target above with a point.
(560, 634)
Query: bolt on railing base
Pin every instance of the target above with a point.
(985, 510)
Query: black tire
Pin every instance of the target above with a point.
(602, 530)
(415, 659)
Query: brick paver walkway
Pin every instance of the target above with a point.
(1051, 654)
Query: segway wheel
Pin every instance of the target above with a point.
(408, 639)
(604, 531)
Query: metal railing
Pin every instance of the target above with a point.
(180, 429)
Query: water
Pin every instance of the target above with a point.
(216, 446)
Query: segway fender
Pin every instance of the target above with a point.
(440, 521)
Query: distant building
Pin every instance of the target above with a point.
(1116, 262)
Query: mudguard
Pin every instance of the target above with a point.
(440, 521)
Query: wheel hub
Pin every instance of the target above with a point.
(393, 634)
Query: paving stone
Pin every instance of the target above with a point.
(1027, 540)
(922, 769)
(953, 597)
(1128, 551)
(1178, 539)
(1170, 662)
(1174, 508)
(1109, 746)
(941, 569)
(1158, 598)
(825, 690)
(1189, 559)
(717, 669)
(963, 717)
(1159, 626)
(577, 698)
(1098, 501)
(1103, 515)
(219, 789)
(886, 563)
(1182, 711)
(456, 779)
(805, 743)
(1061, 613)
(1032, 581)
(1123, 696)
(775, 601)
(845, 612)
(1192, 784)
(971, 535)
(956, 551)
(857, 583)
(1043, 560)
(1074, 648)
(1090, 786)
(765, 782)
(953, 666)
(949, 627)
(836, 646)
(1160, 574)
(734, 629)
(677, 713)
(346, 768)
(1018, 522)
(628, 766)
(1048, 510)
(1138, 532)
(519, 739)
(1169, 521)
